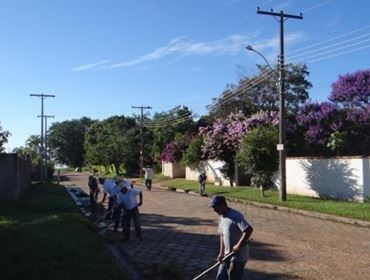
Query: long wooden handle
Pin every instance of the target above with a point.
(213, 266)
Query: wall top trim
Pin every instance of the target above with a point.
(340, 157)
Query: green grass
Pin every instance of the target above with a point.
(43, 236)
(341, 208)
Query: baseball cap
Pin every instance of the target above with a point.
(217, 200)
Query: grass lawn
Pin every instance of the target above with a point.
(43, 236)
(341, 208)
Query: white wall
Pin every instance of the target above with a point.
(340, 178)
(173, 170)
(212, 169)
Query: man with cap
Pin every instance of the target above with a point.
(234, 232)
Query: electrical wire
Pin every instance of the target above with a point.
(330, 39)
(327, 47)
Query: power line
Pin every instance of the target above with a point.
(260, 79)
(168, 121)
(331, 39)
(170, 124)
(328, 47)
(249, 85)
(338, 54)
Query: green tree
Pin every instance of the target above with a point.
(32, 151)
(336, 141)
(66, 140)
(114, 141)
(193, 154)
(4, 134)
(259, 156)
(167, 124)
(260, 92)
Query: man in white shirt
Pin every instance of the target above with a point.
(110, 188)
(149, 174)
(128, 197)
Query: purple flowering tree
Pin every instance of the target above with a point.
(320, 120)
(343, 123)
(222, 139)
(173, 151)
(352, 90)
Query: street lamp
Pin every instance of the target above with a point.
(281, 145)
(250, 48)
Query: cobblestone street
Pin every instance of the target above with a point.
(181, 228)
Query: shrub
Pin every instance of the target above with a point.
(193, 154)
(259, 156)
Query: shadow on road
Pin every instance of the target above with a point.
(259, 275)
(165, 239)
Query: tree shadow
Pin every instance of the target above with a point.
(331, 179)
(259, 275)
(366, 179)
(165, 239)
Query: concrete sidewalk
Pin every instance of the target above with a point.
(179, 228)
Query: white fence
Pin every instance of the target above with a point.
(346, 178)
(212, 169)
(339, 178)
(173, 169)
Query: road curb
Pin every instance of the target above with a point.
(318, 215)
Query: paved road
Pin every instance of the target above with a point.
(181, 228)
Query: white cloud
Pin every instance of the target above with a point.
(270, 46)
(185, 46)
(195, 69)
(89, 66)
(318, 6)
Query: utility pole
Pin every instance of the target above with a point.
(281, 146)
(46, 142)
(141, 136)
(42, 151)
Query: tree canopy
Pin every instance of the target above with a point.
(260, 92)
(165, 125)
(222, 139)
(66, 139)
(4, 134)
(342, 124)
(114, 141)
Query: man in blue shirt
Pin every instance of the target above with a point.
(234, 232)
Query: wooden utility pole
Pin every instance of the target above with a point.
(281, 146)
(141, 136)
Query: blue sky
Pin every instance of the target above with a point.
(101, 57)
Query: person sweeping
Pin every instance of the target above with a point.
(234, 233)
